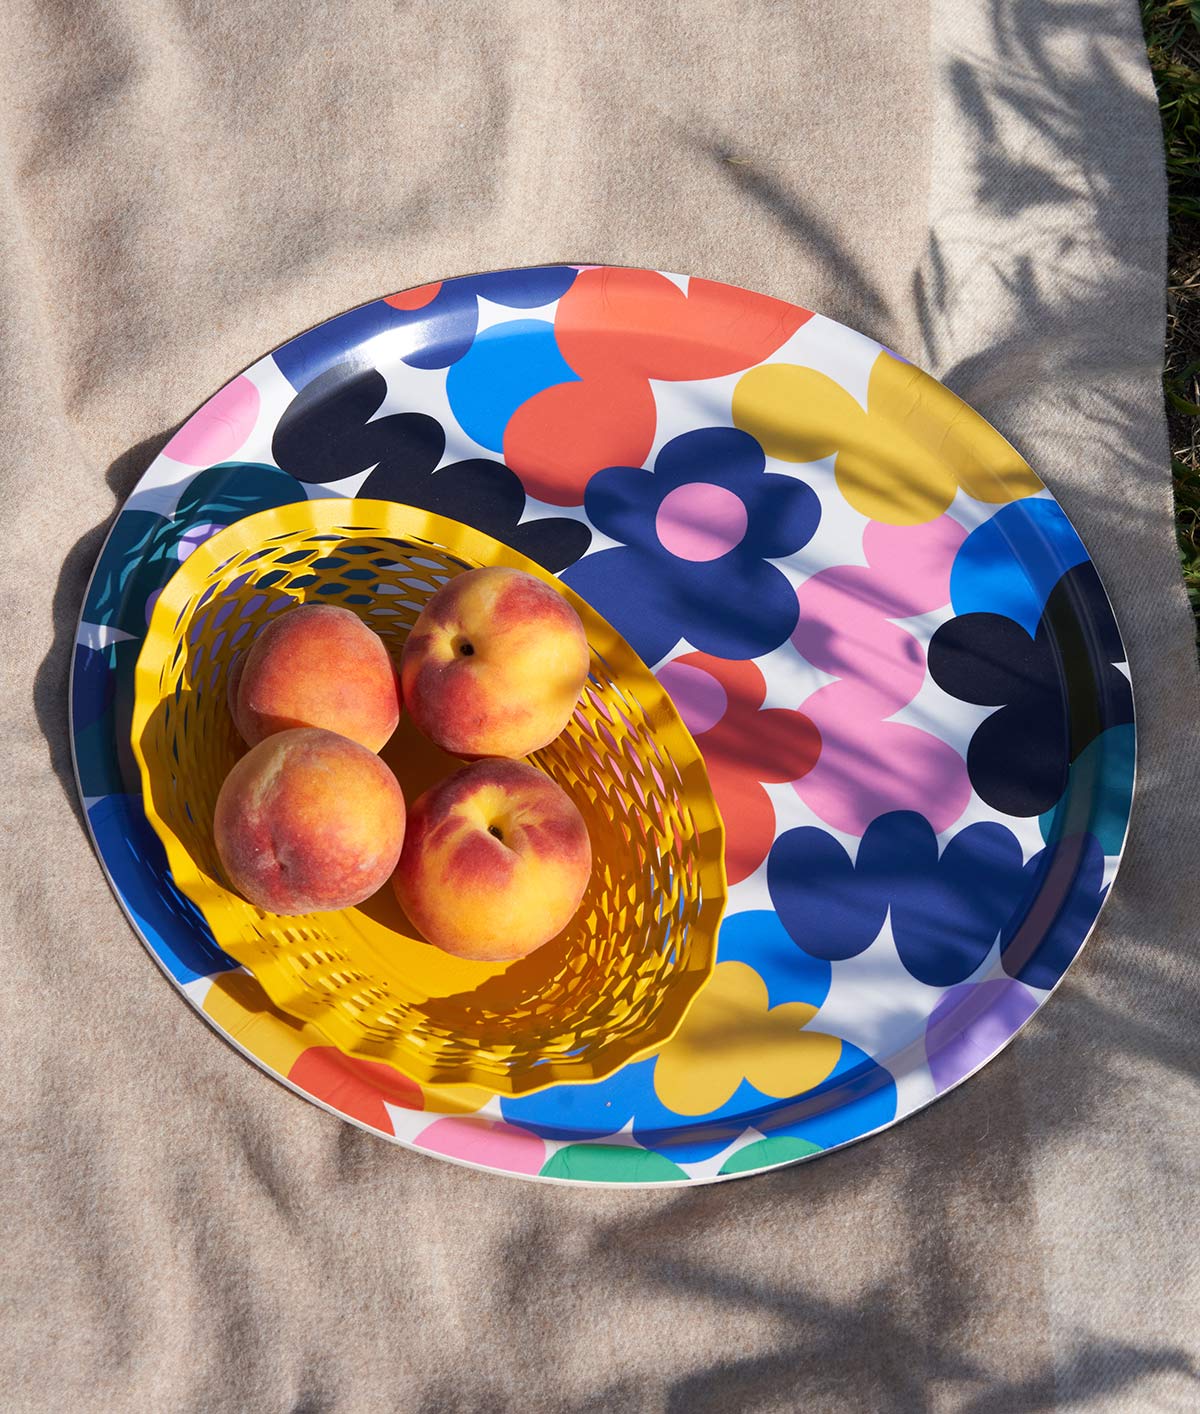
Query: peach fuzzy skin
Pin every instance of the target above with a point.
(495, 664)
(495, 861)
(309, 821)
(317, 665)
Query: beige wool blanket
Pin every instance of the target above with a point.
(977, 185)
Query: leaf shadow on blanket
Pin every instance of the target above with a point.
(915, 1336)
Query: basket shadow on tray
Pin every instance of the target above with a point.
(613, 985)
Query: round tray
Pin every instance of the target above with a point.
(886, 639)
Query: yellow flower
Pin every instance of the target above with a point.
(730, 1034)
(903, 459)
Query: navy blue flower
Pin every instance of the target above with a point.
(946, 910)
(697, 536)
(443, 319)
(1063, 890)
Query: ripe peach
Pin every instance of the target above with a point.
(316, 666)
(307, 821)
(495, 664)
(495, 861)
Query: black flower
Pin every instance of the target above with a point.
(1055, 692)
(327, 433)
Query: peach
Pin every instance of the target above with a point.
(495, 861)
(307, 821)
(316, 666)
(495, 664)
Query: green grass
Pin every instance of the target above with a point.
(1172, 30)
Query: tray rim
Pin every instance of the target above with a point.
(689, 1181)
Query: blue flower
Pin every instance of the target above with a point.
(136, 862)
(1010, 564)
(101, 717)
(443, 320)
(697, 536)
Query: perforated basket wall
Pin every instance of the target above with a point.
(616, 984)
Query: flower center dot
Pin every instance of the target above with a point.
(700, 521)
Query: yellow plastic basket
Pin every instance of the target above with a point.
(613, 986)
